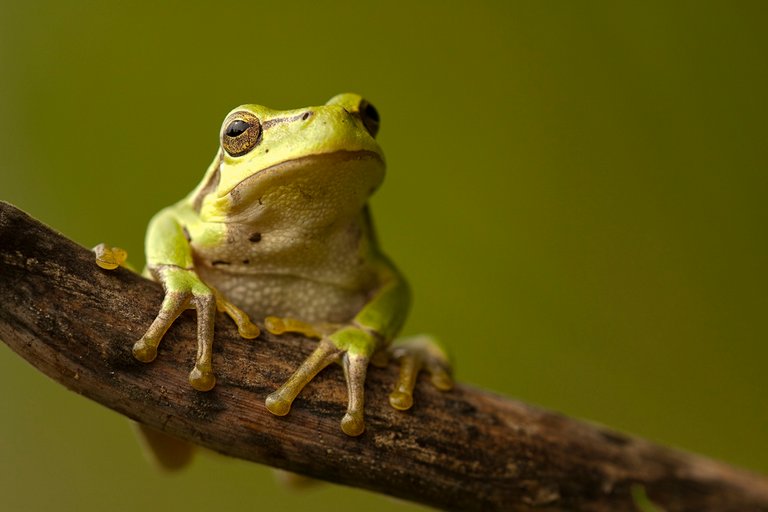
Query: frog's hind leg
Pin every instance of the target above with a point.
(355, 366)
(165, 452)
(336, 345)
(414, 354)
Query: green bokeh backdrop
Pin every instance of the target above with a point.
(576, 190)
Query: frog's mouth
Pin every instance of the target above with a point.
(336, 182)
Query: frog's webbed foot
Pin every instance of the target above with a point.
(414, 354)
(108, 257)
(184, 290)
(350, 346)
(178, 299)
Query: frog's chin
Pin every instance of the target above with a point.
(327, 185)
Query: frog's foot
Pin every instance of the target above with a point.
(414, 354)
(281, 325)
(175, 302)
(185, 290)
(245, 327)
(350, 346)
(108, 257)
(279, 402)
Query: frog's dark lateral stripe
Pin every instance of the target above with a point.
(270, 123)
(209, 187)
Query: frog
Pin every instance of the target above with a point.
(279, 236)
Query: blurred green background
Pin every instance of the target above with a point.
(576, 191)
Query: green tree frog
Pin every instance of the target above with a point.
(279, 231)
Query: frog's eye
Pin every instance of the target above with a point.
(370, 117)
(241, 133)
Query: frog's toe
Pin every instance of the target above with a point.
(401, 399)
(109, 258)
(281, 325)
(415, 354)
(245, 328)
(275, 325)
(202, 379)
(355, 369)
(248, 330)
(353, 424)
(440, 375)
(279, 402)
(145, 350)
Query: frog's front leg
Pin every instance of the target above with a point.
(170, 262)
(183, 290)
(350, 346)
(355, 344)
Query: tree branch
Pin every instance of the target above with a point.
(466, 449)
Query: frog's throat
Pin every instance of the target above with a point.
(355, 173)
(308, 162)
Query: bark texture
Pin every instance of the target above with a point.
(466, 449)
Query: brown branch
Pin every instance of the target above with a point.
(466, 449)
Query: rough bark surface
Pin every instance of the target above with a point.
(466, 449)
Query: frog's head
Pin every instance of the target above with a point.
(323, 157)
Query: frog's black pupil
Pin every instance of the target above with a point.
(371, 112)
(237, 128)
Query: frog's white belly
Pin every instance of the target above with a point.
(262, 295)
(315, 276)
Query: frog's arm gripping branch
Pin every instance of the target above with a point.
(169, 260)
(466, 449)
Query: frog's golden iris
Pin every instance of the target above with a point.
(241, 134)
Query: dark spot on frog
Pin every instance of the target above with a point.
(246, 262)
(266, 150)
(306, 195)
(217, 263)
(186, 234)
(256, 237)
(305, 116)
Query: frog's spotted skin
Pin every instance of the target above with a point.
(278, 232)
